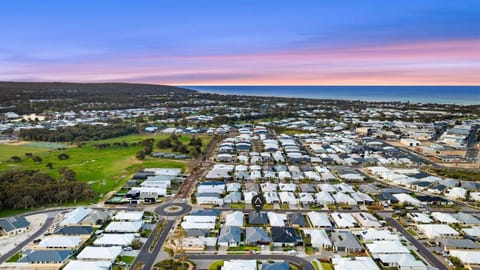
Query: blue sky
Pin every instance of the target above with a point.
(241, 42)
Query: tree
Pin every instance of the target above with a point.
(140, 155)
(164, 144)
(15, 158)
(50, 165)
(63, 156)
(178, 235)
(36, 159)
(137, 244)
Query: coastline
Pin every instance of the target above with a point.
(458, 95)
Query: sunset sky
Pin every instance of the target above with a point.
(230, 42)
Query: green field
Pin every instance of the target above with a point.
(7, 151)
(105, 169)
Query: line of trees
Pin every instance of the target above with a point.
(78, 133)
(29, 188)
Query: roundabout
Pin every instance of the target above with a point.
(173, 209)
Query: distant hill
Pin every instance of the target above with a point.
(38, 96)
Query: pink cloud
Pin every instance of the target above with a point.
(427, 63)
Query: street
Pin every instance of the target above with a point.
(420, 248)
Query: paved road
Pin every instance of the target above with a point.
(421, 248)
(185, 208)
(34, 236)
(148, 258)
(200, 168)
(471, 152)
(293, 259)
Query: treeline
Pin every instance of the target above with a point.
(460, 174)
(26, 189)
(35, 97)
(78, 133)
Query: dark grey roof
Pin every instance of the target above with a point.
(45, 256)
(206, 212)
(307, 188)
(466, 218)
(297, 218)
(13, 223)
(387, 197)
(257, 218)
(230, 234)
(460, 244)
(276, 266)
(420, 175)
(284, 235)
(345, 239)
(75, 230)
(256, 235)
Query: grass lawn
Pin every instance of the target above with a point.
(104, 169)
(7, 151)
(309, 250)
(315, 265)
(15, 257)
(326, 266)
(127, 259)
(237, 206)
(244, 248)
(216, 265)
(412, 232)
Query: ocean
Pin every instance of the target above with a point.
(464, 95)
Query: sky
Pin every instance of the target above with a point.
(242, 42)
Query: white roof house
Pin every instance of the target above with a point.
(324, 197)
(160, 191)
(61, 242)
(343, 220)
(356, 263)
(215, 187)
(287, 187)
(284, 175)
(419, 218)
(128, 216)
(386, 247)
(456, 193)
(319, 220)
(82, 265)
(76, 216)
(376, 235)
(327, 187)
(401, 260)
(240, 265)
(112, 239)
(366, 220)
(276, 219)
(100, 253)
(437, 230)
(341, 197)
(234, 219)
(288, 198)
(233, 187)
(248, 195)
(474, 231)
(319, 238)
(124, 226)
(306, 198)
(267, 187)
(271, 197)
(407, 199)
(312, 176)
(467, 256)
(444, 217)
